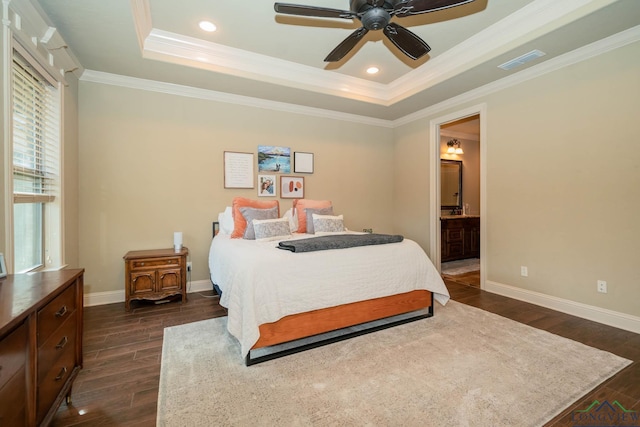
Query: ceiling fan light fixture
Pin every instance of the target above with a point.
(207, 26)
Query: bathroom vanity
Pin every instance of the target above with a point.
(460, 237)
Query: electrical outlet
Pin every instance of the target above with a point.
(524, 271)
(189, 266)
(602, 286)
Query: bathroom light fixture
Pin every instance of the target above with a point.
(454, 147)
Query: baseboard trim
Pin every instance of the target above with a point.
(589, 312)
(112, 297)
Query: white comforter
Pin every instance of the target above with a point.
(262, 284)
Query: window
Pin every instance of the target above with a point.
(36, 166)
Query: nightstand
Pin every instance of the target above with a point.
(155, 274)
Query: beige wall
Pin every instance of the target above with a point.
(151, 164)
(563, 173)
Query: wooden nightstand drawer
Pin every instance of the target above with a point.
(12, 353)
(155, 263)
(55, 313)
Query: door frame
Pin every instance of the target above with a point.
(434, 184)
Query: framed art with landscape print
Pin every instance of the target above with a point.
(3, 267)
(292, 187)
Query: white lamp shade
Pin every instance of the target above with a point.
(177, 240)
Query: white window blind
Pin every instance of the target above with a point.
(36, 135)
(36, 165)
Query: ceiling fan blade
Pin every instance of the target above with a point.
(410, 44)
(347, 44)
(303, 10)
(416, 7)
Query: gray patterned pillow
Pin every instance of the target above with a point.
(250, 214)
(310, 212)
(328, 224)
(270, 229)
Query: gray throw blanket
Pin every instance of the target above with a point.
(338, 241)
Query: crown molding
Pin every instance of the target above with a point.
(142, 20)
(594, 49)
(490, 42)
(211, 95)
(448, 133)
(30, 26)
(600, 47)
(179, 49)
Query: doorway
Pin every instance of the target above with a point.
(458, 229)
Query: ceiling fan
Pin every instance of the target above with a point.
(375, 15)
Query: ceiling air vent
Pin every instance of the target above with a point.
(520, 60)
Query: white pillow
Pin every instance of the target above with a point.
(293, 219)
(225, 221)
(328, 224)
(271, 229)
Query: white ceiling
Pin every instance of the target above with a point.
(261, 54)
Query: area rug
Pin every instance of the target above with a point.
(462, 367)
(462, 266)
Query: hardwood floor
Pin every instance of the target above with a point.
(118, 385)
(471, 278)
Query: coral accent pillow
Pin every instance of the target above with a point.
(299, 205)
(239, 222)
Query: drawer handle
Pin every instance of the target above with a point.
(62, 343)
(142, 263)
(62, 373)
(62, 311)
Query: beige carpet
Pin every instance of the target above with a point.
(463, 367)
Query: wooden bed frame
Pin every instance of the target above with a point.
(311, 323)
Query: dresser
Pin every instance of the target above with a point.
(155, 274)
(460, 237)
(40, 344)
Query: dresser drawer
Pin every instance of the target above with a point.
(55, 313)
(13, 354)
(60, 342)
(52, 382)
(13, 403)
(154, 263)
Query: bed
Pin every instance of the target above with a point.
(276, 296)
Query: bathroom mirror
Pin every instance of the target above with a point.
(450, 184)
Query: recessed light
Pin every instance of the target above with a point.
(372, 70)
(207, 26)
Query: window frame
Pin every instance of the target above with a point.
(51, 215)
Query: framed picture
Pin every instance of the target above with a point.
(238, 170)
(292, 187)
(302, 162)
(266, 185)
(274, 159)
(3, 267)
